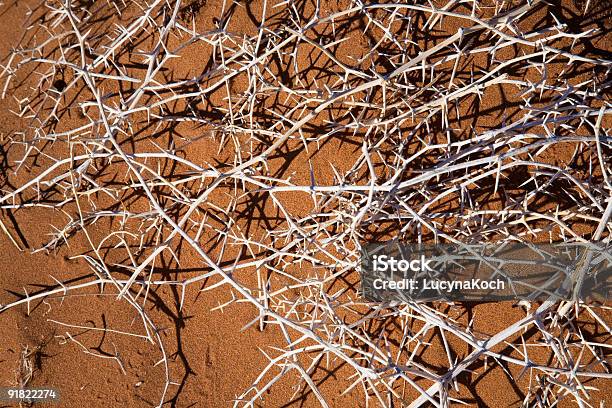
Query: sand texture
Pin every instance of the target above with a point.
(185, 187)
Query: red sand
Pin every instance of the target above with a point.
(211, 359)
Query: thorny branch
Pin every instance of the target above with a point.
(101, 90)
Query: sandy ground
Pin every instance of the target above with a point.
(211, 359)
